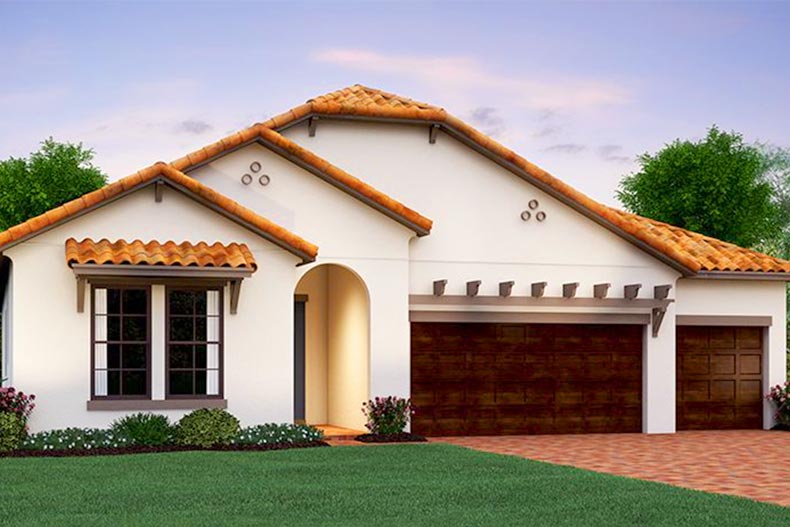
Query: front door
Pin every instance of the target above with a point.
(299, 352)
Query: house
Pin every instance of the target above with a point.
(365, 244)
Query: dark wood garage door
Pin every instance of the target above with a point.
(719, 383)
(491, 379)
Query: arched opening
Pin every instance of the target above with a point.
(331, 347)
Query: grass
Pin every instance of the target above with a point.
(385, 485)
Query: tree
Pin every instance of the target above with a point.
(55, 174)
(716, 186)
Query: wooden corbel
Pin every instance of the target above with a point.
(439, 287)
(506, 288)
(537, 289)
(235, 293)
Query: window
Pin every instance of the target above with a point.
(121, 342)
(194, 341)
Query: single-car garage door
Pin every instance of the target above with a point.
(719, 384)
(488, 379)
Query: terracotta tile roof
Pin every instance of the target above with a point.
(692, 251)
(168, 175)
(708, 253)
(338, 176)
(184, 254)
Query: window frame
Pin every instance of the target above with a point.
(148, 344)
(221, 342)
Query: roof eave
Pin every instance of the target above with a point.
(773, 276)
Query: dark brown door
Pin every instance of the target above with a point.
(719, 383)
(492, 379)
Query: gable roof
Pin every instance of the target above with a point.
(152, 175)
(687, 251)
(155, 253)
(314, 164)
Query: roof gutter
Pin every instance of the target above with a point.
(743, 275)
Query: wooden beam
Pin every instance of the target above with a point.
(569, 289)
(538, 288)
(312, 122)
(432, 132)
(159, 188)
(506, 288)
(544, 301)
(631, 291)
(439, 287)
(473, 287)
(601, 290)
(660, 292)
(235, 293)
(81, 286)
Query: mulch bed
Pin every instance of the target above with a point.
(403, 437)
(157, 449)
(781, 428)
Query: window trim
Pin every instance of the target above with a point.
(148, 345)
(221, 351)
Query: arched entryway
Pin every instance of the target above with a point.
(332, 320)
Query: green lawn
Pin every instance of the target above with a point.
(383, 485)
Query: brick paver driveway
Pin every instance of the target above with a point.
(750, 463)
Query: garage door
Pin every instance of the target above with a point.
(719, 383)
(491, 379)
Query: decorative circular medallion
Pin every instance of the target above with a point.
(540, 216)
(264, 180)
(255, 166)
(246, 179)
(526, 215)
(533, 204)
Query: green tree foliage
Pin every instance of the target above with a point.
(55, 174)
(716, 186)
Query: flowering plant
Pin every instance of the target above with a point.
(16, 402)
(387, 415)
(780, 396)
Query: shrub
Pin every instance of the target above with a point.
(270, 434)
(387, 415)
(207, 427)
(12, 431)
(16, 402)
(75, 439)
(145, 429)
(780, 396)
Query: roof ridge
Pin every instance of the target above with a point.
(363, 101)
(147, 176)
(271, 136)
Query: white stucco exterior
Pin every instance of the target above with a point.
(359, 340)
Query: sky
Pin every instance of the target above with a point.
(579, 88)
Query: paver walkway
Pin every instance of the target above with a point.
(750, 463)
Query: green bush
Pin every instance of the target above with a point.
(207, 427)
(387, 415)
(12, 431)
(145, 429)
(75, 439)
(271, 434)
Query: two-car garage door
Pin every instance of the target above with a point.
(492, 379)
(478, 379)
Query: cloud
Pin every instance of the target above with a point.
(460, 74)
(613, 153)
(566, 148)
(193, 126)
(548, 130)
(488, 120)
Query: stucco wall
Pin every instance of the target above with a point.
(52, 341)
(349, 233)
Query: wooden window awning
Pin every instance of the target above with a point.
(154, 262)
